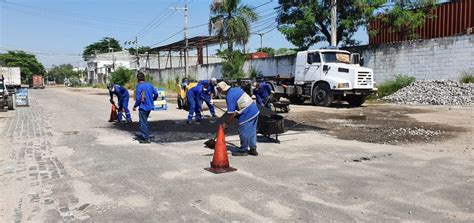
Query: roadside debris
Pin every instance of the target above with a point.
(367, 158)
(437, 92)
(375, 124)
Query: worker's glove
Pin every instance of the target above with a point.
(212, 101)
(272, 92)
(112, 101)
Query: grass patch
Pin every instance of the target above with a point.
(391, 86)
(101, 86)
(467, 77)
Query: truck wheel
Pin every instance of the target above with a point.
(12, 102)
(297, 100)
(185, 105)
(355, 100)
(322, 95)
(180, 102)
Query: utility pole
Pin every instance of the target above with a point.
(136, 52)
(186, 55)
(333, 23)
(261, 39)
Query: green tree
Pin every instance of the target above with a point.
(28, 64)
(270, 51)
(232, 67)
(121, 76)
(405, 17)
(62, 72)
(105, 45)
(230, 20)
(305, 23)
(141, 50)
(285, 51)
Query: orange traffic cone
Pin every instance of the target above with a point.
(220, 160)
(113, 114)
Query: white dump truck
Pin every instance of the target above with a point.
(10, 81)
(325, 76)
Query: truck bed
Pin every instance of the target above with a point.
(12, 76)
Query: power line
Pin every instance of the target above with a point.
(51, 17)
(270, 20)
(264, 23)
(167, 38)
(266, 3)
(74, 15)
(157, 24)
(268, 26)
(152, 24)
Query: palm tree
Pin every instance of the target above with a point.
(230, 21)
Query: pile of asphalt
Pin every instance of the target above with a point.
(438, 92)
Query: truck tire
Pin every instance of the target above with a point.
(297, 100)
(12, 102)
(185, 105)
(322, 95)
(355, 100)
(180, 102)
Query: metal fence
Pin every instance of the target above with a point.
(452, 18)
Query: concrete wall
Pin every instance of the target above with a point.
(434, 59)
(283, 65)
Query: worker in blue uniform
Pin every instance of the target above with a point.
(145, 94)
(123, 97)
(193, 97)
(241, 106)
(262, 92)
(207, 94)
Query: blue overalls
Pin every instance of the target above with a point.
(123, 98)
(248, 119)
(145, 94)
(193, 97)
(206, 96)
(262, 93)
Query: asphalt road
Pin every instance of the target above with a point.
(60, 160)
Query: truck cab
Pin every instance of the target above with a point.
(7, 100)
(327, 75)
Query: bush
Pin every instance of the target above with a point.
(255, 73)
(102, 86)
(392, 86)
(121, 76)
(132, 83)
(467, 77)
(232, 67)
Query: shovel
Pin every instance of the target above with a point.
(211, 143)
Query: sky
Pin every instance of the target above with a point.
(58, 30)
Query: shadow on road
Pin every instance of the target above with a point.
(168, 131)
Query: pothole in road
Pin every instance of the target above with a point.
(168, 131)
(71, 133)
(377, 124)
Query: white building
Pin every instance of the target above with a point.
(100, 66)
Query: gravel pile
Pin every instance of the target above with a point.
(434, 93)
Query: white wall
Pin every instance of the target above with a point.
(433, 59)
(283, 65)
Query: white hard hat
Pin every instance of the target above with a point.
(223, 86)
(213, 80)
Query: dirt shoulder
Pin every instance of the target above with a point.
(387, 123)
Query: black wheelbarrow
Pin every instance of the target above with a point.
(281, 106)
(269, 123)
